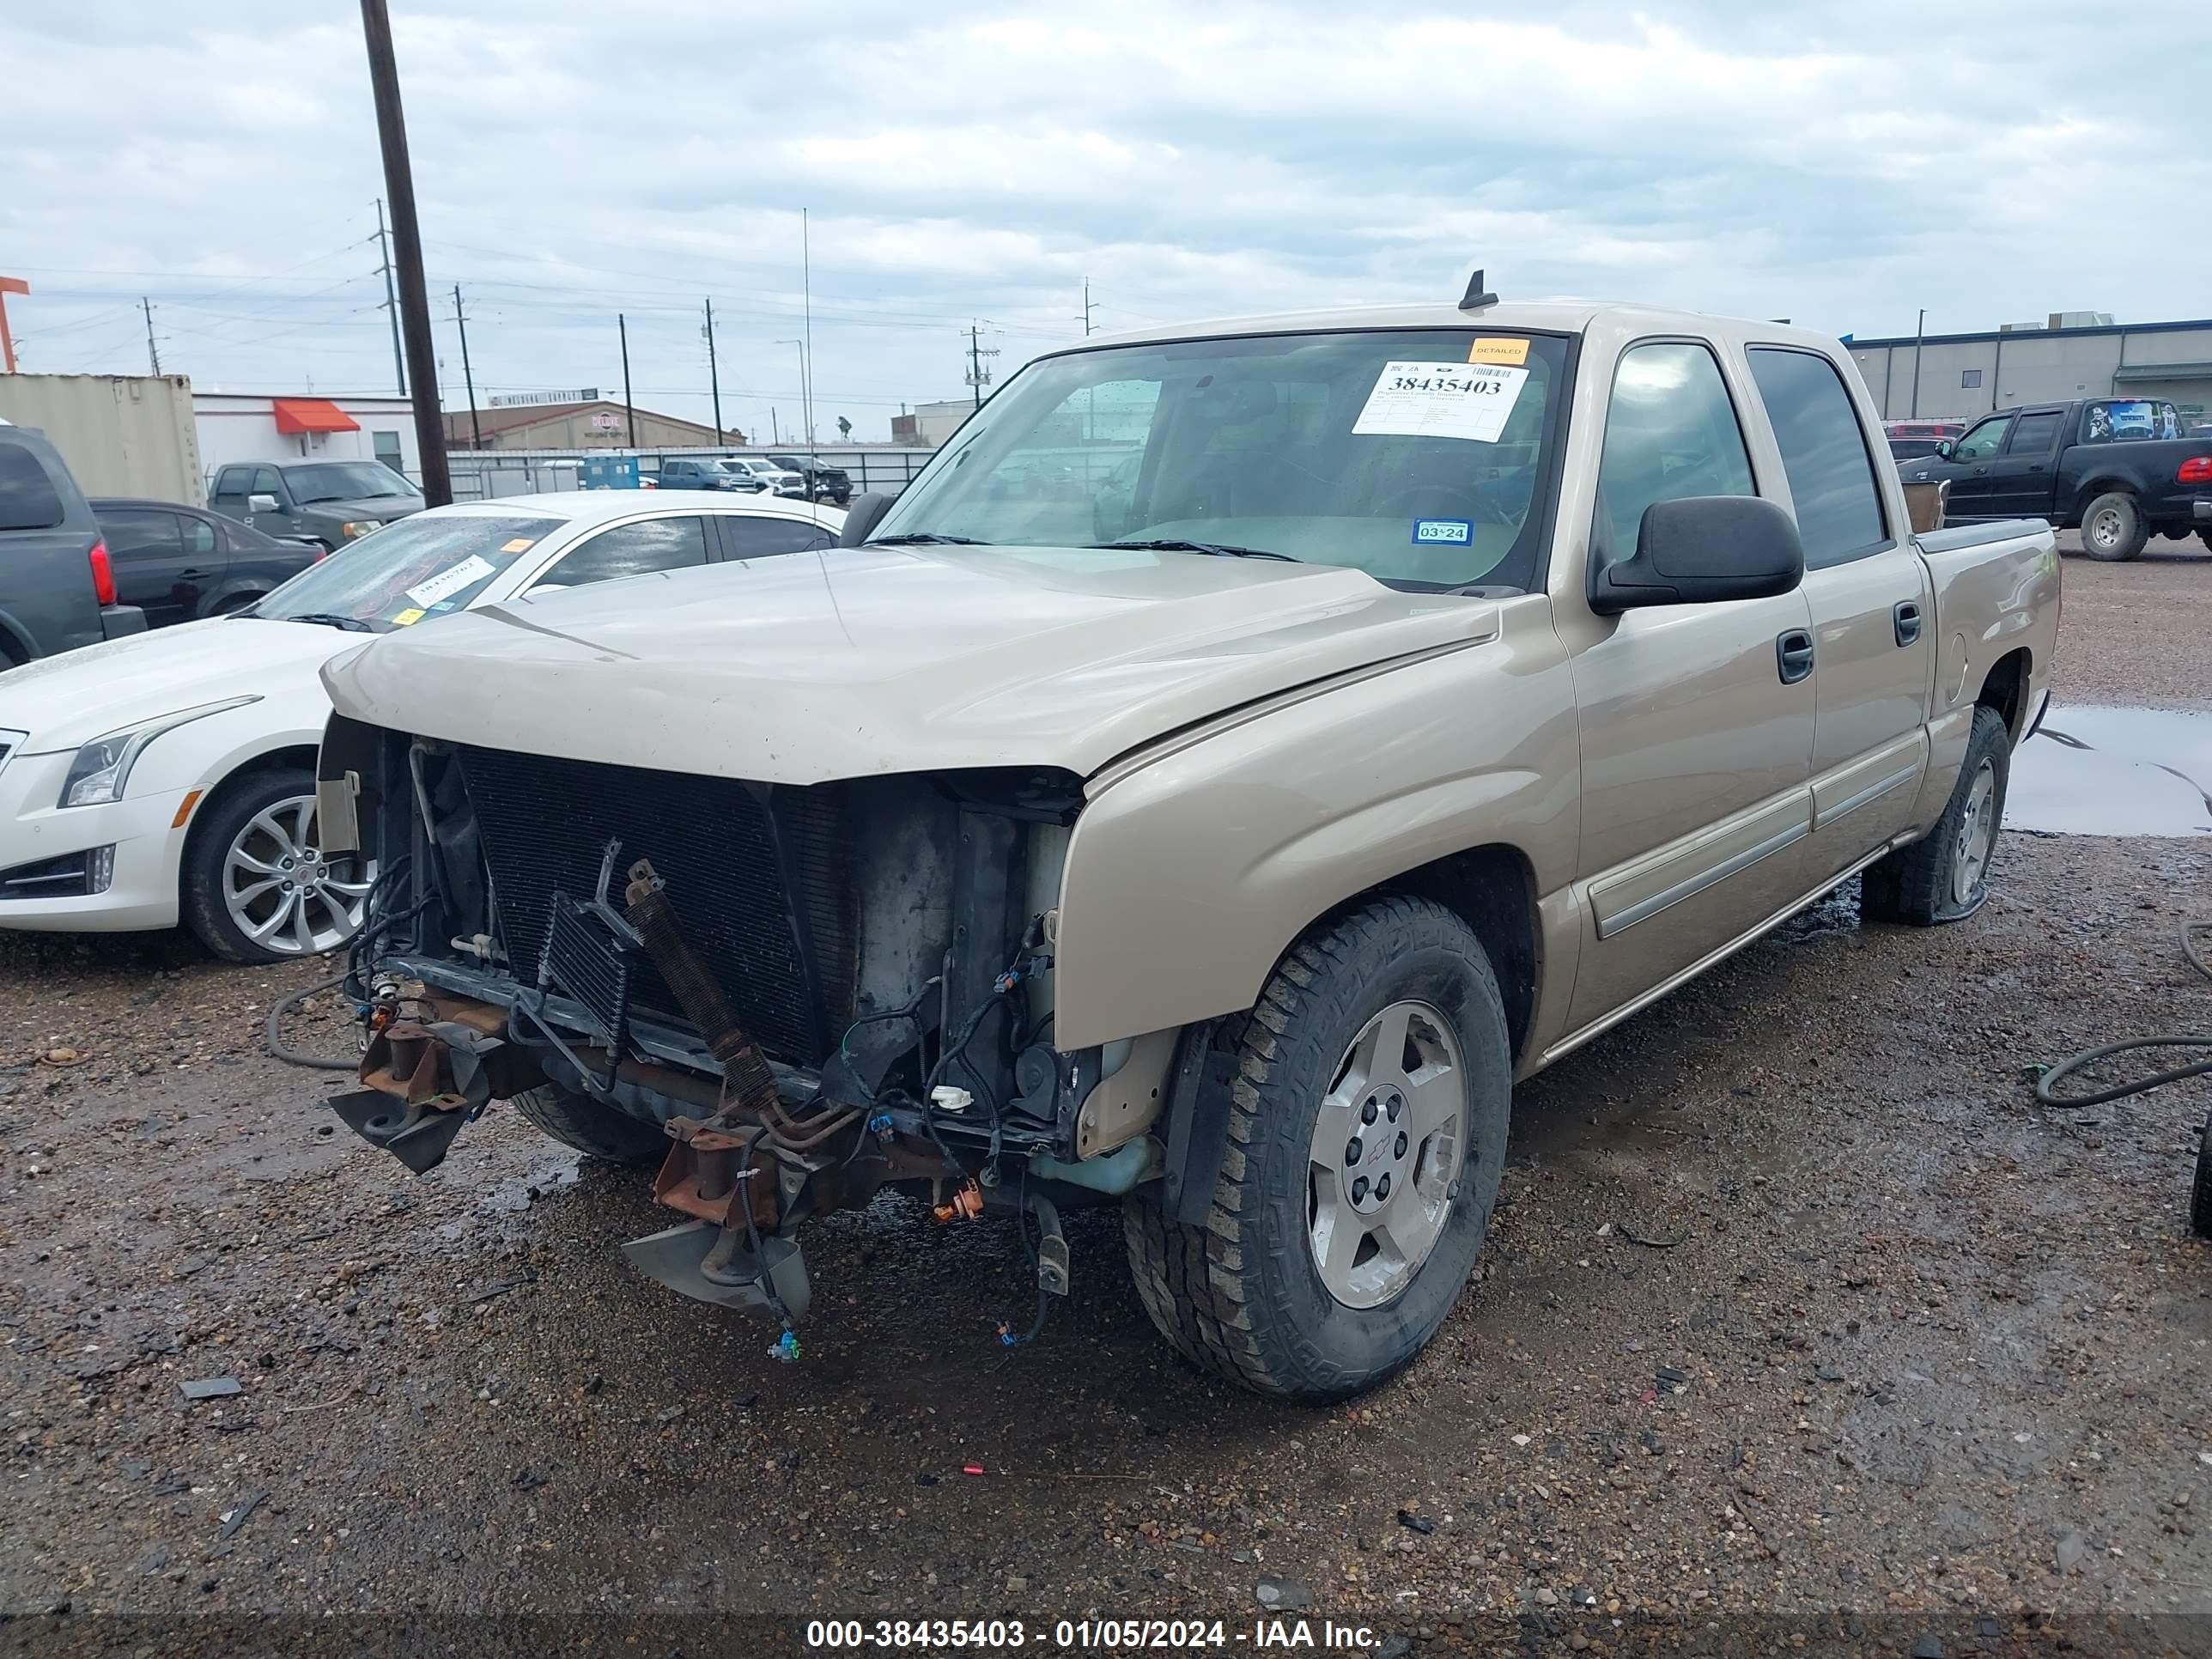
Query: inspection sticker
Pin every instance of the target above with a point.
(1442, 400)
(470, 569)
(1456, 532)
(409, 618)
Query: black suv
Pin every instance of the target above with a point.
(57, 586)
(824, 482)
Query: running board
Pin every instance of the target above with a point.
(713, 1264)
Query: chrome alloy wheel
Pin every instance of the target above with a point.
(1387, 1146)
(1978, 833)
(283, 893)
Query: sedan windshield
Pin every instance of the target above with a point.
(1415, 455)
(344, 481)
(425, 566)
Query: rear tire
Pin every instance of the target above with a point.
(1945, 875)
(595, 1130)
(1254, 1294)
(2113, 528)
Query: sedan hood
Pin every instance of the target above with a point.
(859, 661)
(65, 700)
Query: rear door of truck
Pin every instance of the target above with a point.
(2023, 476)
(1871, 598)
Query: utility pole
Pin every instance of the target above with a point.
(1920, 334)
(407, 236)
(153, 351)
(461, 322)
(1087, 308)
(621, 325)
(978, 376)
(714, 378)
(390, 301)
(9, 285)
(806, 365)
(774, 432)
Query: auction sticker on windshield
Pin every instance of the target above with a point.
(450, 580)
(1442, 400)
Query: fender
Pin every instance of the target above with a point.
(1189, 874)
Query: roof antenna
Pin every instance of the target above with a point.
(1477, 295)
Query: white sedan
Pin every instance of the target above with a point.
(778, 480)
(170, 777)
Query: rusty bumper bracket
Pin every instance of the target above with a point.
(416, 1133)
(716, 1264)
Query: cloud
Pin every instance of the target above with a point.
(1841, 165)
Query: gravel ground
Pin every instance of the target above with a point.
(1797, 1302)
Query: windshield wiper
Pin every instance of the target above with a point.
(328, 619)
(1177, 544)
(916, 538)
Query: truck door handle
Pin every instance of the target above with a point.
(1793, 655)
(1906, 615)
(190, 575)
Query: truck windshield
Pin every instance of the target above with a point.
(425, 566)
(1415, 455)
(344, 481)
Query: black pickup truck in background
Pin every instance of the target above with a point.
(2119, 469)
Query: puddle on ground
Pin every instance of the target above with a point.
(2114, 772)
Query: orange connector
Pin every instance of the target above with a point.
(966, 1204)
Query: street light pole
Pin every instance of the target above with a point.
(407, 252)
(1919, 335)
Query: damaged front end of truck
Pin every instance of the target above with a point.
(812, 992)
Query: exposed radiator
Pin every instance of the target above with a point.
(759, 873)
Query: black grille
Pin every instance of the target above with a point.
(757, 875)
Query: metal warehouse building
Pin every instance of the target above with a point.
(1964, 375)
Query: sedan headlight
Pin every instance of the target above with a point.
(360, 527)
(102, 770)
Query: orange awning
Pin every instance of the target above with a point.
(296, 415)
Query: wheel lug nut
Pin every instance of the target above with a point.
(1353, 1152)
(1367, 1112)
(1401, 1144)
(1397, 1105)
(1359, 1189)
(1383, 1189)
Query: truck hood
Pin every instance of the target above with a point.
(385, 507)
(859, 661)
(65, 700)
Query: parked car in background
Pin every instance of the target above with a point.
(327, 501)
(698, 472)
(2118, 468)
(823, 481)
(179, 563)
(1223, 850)
(1917, 428)
(170, 777)
(778, 480)
(57, 581)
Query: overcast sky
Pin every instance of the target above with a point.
(1839, 165)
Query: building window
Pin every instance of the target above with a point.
(1971, 378)
(387, 448)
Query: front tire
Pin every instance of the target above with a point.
(1367, 1133)
(596, 1130)
(1945, 875)
(256, 886)
(2113, 528)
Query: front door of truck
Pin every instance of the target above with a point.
(1968, 469)
(1872, 603)
(1696, 721)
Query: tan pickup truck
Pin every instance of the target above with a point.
(1243, 752)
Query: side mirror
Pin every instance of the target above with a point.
(1944, 448)
(862, 517)
(1701, 550)
(260, 503)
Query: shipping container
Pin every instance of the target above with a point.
(122, 435)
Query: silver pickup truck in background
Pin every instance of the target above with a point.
(1241, 754)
